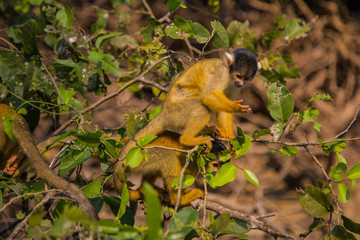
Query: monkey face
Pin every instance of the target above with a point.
(243, 66)
(239, 80)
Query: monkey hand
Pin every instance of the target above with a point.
(13, 163)
(241, 108)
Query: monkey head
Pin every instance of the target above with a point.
(243, 66)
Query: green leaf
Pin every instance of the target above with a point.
(187, 181)
(319, 196)
(237, 227)
(181, 222)
(289, 151)
(9, 125)
(251, 177)
(277, 130)
(339, 233)
(58, 139)
(183, 24)
(294, 28)
(146, 140)
(259, 133)
(354, 172)
(124, 200)
(93, 189)
(226, 174)
(134, 157)
(29, 32)
(240, 35)
(73, 159)
(323, 96)
(108, 226)
(101, 40)
(153, 213)
(200, 33)
(244, 147)
(220, 38)
(280, 103)
(343, 193)
(317, 224)
(106, 62)
(65, 63)
(351, 225)
(65, 17)
(146, 32)
(221, 223)
(110, 145)
(284, 67)
(173, 4)
(132, 124)
(90, 139)
(154, 112)
(313, 207)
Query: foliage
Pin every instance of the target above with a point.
(84, 64)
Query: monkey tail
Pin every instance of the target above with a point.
(153, 128)
(42, 169)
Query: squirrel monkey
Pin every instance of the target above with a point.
(166, 163)
(207, 87)
(24, 144)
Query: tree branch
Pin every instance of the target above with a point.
(251, 220)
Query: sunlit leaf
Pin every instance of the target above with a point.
(251, 177)
(134, 157)
(187, 181)
(226, 174)
(280, 103)
(73, 159)
(343, 193)
(153, 213)
(101, 40)
(220, 38)
(90, 139)
(124, 200)
(65, 17)
(92, 189)
(221, 223)
(354, 172)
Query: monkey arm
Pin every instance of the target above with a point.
(225, 124)
(219, 102)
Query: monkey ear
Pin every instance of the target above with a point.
(229, 58)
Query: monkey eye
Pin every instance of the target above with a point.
(238, 76)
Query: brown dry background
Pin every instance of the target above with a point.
(329, 62)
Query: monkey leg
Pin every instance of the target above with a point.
(192, 129)
(187, 196)
(137, 194)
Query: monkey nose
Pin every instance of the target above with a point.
(239, 83)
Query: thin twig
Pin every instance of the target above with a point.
(112, 95)
(188, 159)
(148, 8)
(251, 220)
(305, 144)
(28, 194)
(53, 81)
(24, 222)
(349, 126)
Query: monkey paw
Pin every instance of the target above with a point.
(242, 108)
